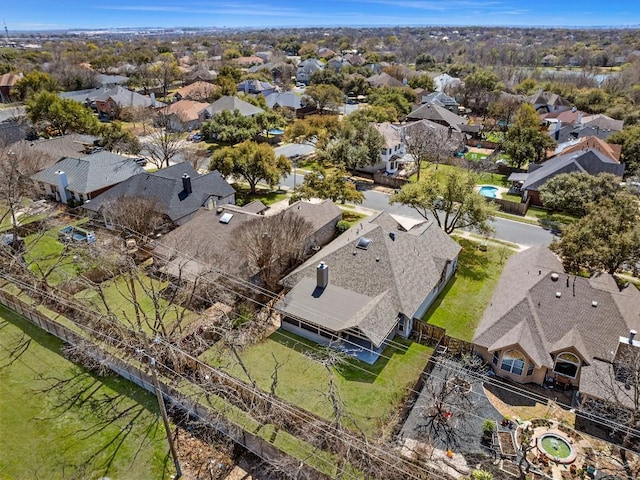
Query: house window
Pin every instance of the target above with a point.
(393, 165)
(513, 362)
(567, 364)
(401, 325)
(496, 357)
(530, 369)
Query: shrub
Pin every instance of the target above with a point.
(488, 427)
(481, 475)
(342, 226)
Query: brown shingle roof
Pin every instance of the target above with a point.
(197, 91)
(584, 143)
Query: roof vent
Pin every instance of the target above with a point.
(392, 235)
(558, 294)
(363, 243)
(219, 210)
(554, 277)
(594, 303)
(226, 218)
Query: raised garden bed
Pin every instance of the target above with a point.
(507, 446)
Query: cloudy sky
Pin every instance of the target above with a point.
(35, 14)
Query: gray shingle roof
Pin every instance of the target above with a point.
(126, 98)
(526, 311)
(231, 104)
(591, 161)
(441, 99)
(90, 173)
(396, 275)
(166, 187)
(384, 80)
(284, 99)
(437, 114)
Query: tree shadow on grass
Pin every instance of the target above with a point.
(473, 263)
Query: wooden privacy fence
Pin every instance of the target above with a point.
(508, 206)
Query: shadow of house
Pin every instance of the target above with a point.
(368, 285)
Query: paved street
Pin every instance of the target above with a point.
(507, 230)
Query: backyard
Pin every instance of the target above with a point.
(60, 421)
(459, 307)
(265, 195)
(371, 394)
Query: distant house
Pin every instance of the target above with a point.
(179, 192)
(549, 60)
(565, 133)
(584, 143)
(209, 238)
(440, 99)
(256, 87)
(445, 82)
(543, 325)
(384, 80)
(110, 81)
(183, 115)
(49, 150)
(230, 104)
(200, 74)
(447, 140)
(437, 114)
(591, 160)
(369, 284)
(76, 180)
(248, 61)
(110, 103)
(199, 91)
(7, 82)
(284, 100)
(548, 102)
(306, 68)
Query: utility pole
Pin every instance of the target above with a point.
(165, 419)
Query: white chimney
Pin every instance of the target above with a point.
(579, 120)
(63, 183)
(322, 275)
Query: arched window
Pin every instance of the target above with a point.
(513, 362)
(567, 364)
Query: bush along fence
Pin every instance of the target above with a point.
(267, 426)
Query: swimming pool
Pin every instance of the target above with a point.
(488, 191)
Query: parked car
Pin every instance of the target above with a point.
(197, 137)
(141, 161)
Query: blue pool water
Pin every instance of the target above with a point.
(488, 191)
(276, 131)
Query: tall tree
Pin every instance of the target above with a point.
(334, 186)
(162, 144)
(324, 97)
(61, 114)
(480, 88)
(230, 127)
(401, 99)
(252, 162)
(525, 141)
(606, 238)
(573, 192)
(629, 138)
(357, 144)
(34, 82)
(452, 201)
(430, 142)
(116, 139)
(166, 71)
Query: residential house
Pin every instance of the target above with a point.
(565, 133)
(110, 81)
(110, 103)
(543, 325)
(590, 160)
(179, 192)
(87, 96)
(209, 240)
(200, 74)
(13, 131)
(441, 100)
(584, 143)
(7, 82)
(548, 102)
(445, 82)
(603, 122)
(384, 80)
(199, 91)
(306, 68)
(393, 154)
(602, 125)
(265, 55)
(437, 114)
(354, 59)
(285, 100)
(49, 150)
(281, 72)
(256, 87)
(77, 180)
(183, 115)
(229, 103)
(369, 284)
(445, 141)
(248, 61)
(324, 52)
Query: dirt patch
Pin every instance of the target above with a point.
(199, 460)
(507, 446)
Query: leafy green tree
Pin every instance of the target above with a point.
(422, 81)
(230, 127)
(229, 71)
(328, 76)
(357, 144)
(324, 97)
(318, 129)
(480, 88)
(269, 119)
(116, 139)
(356, 85)
(34, 82)
(375, 113)
(308, 50)
(525, 141)
(166, 71)
(62, 114)
(629, 138)
(425, 61)
(452, 201)
(573, 192)
(334, 186)
(606, 238)
(401, 99)
(252, 162)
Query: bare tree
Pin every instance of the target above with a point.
(429, 142)
(134, 213)
(162, 144)
(272, 245)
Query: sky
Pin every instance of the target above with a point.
(96, 14)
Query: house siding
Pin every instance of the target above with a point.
(422, 309)
(537, 377)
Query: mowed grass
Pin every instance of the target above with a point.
(266, 196)
(370, 394)
(59, 421)
(119, 295)
(459, 307)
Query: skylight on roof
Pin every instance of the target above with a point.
(363, 243)
(226, 218)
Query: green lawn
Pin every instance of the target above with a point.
(44, 253)
(118, 295)
(460, 306)
(266, 196)
(371, 393)
(46, 435)
(352, 217)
